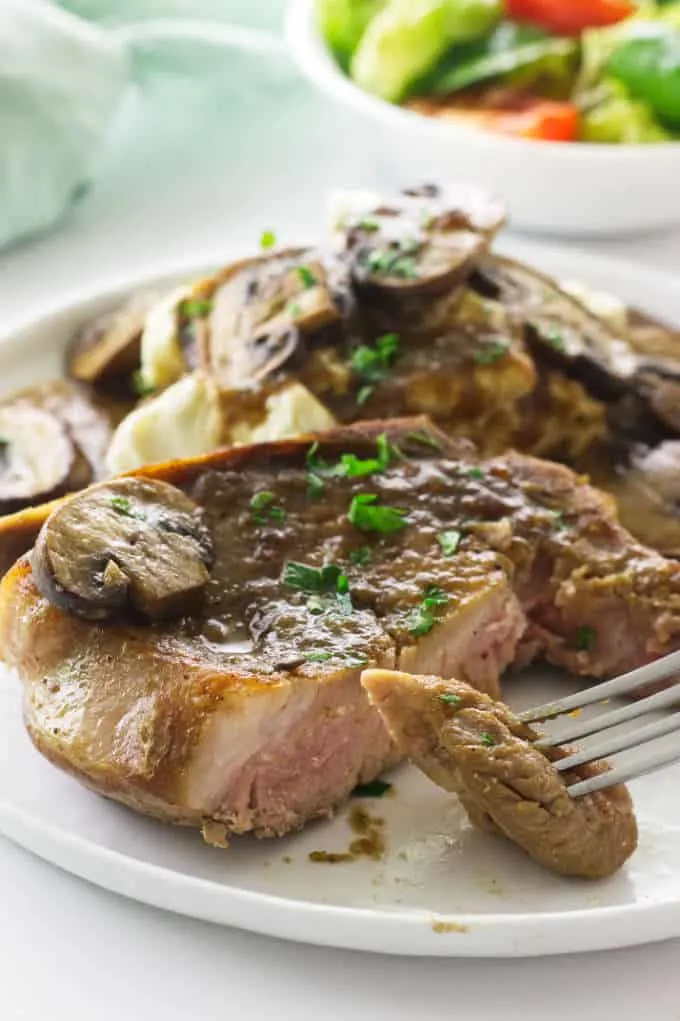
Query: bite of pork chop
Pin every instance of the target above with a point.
(383, 544)
(478, 749)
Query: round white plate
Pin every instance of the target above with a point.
(442, 888)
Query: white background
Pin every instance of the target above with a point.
(209, 169)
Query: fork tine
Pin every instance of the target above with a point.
(620, 774)
(659, 670)
(619, 743)
(594, 724)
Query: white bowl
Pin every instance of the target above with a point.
(549, 187)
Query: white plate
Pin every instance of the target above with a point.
(442, 888)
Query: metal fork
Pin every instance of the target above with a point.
(655, 757)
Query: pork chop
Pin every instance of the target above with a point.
(383, 544)
(478, 749)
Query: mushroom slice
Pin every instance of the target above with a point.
(561, 331)
(37, 458)
(130, 544)
(651, 338)
(426, 240)
(261, 309)
(109, 346)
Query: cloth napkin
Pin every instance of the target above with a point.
(68, 70)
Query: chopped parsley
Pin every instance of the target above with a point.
(315, 486)
(491, 353)
(294, 309)
(473, 473)
(361, 557)
(267, 240)
(327, 581)
(263, 509)
(140, 385)
(395, 261)
(317, 471)
(311, 579)
(353, 467)
(450, 699)
(369, 224)
(363, 395)
(195, 308)
(555, 338)
(424, 617)
(372, 364)
(487, 739)
(449, 542)
(559, 524)
(323, 657)
(585, 638)
(349, 466)
(365, 513)
(122, 505)
(306, 276)
(376, 789)
(425, 439)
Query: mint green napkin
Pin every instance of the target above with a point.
(66, 77)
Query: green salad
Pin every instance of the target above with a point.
(558, 70)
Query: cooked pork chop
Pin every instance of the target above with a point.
(384, 544)
(478, 749)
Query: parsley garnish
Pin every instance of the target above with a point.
(361, 556)
(140, 385)
(267, 240)
(123, 506)
(487, 739)
(559, 524)
(450, 699)
(311, 579)
(195, 308)
(315, 486)
(420, 436)
(372, 364)
(492, 352)
(395, 262)
(262, 509)
(369, 224)
(555, 338)
(473, 473)
(353, 467)
(326, 581)
(323, 657)
(307, 278)
(294, 309)
(585, 638)
(376, 789)
(369, 517)
(317, 471)
(449, 542)
(423, 618)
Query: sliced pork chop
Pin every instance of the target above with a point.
(383, 544)
(478, 749)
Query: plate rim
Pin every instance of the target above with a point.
(407, 932)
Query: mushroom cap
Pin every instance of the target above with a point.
(37, 457)
(131, 544)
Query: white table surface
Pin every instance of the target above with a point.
(71, 952)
